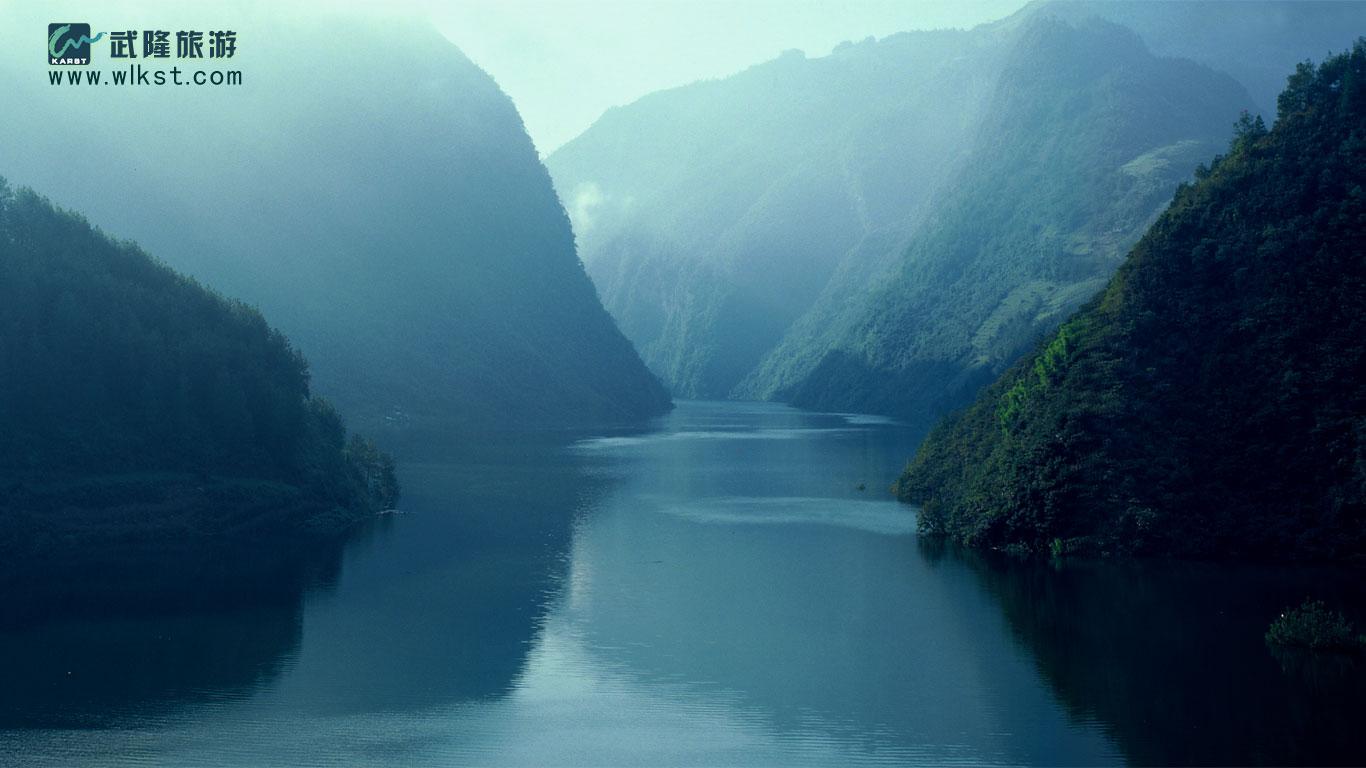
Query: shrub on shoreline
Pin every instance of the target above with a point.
(1313, 625)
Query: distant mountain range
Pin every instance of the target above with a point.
(889, 227)
(1257, 41)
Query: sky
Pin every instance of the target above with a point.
(565, 62)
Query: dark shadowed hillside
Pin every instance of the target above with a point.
(135, 403)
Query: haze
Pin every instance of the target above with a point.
(564, 62)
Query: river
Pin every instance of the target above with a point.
(735, 586)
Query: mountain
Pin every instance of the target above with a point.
(133, 400)
(382, 203)
(887, 227)
(1255, 41)
(712, 216)
(1210, 401)
(1084, 136)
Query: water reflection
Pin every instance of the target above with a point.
(1170, 657)
(445, 605)
(96, 638)
(741, 587)
(735, 587)
(441, 604)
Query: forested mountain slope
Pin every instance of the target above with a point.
(124, 385)
(1211, 400)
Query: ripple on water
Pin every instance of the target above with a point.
(884, 517)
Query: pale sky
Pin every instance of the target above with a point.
(564, 62)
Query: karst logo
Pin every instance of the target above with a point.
(69, 43)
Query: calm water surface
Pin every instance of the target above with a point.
(733, 588)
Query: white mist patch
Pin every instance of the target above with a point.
(867, 419)
(884, 517)
(609, 443)
(583, 204)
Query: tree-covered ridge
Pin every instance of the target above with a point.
(114, 366)
(1211, 400)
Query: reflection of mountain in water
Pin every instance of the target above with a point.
(443, 608)
(1170, 657)
(432, 607)
(88, 638)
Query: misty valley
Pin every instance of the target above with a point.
(988, 390)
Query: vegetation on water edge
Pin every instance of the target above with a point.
(1315, 626)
